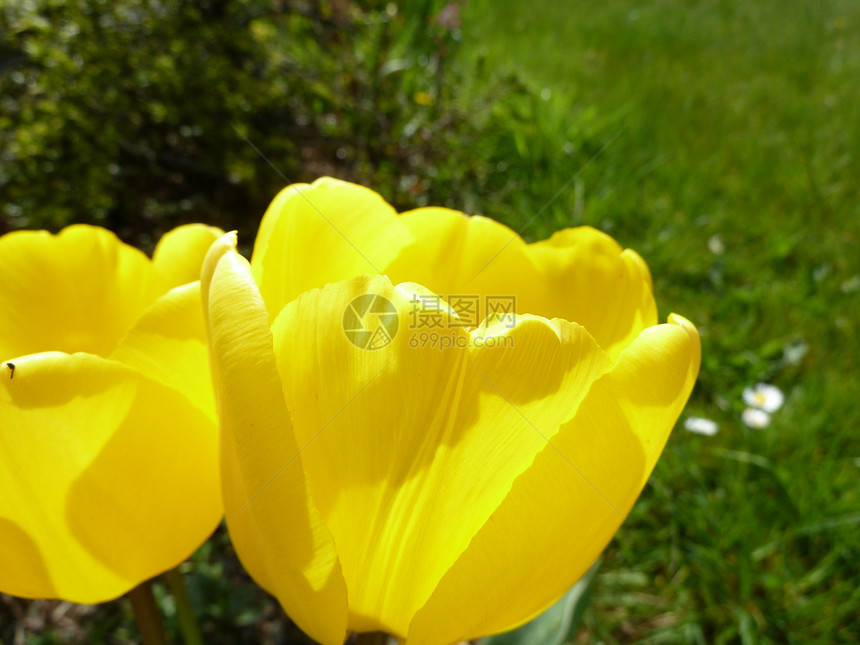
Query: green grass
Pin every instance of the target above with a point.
(740, 121)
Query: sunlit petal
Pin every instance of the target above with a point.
(168, 343)
(590, 279)
(561, 512)
(180, 252)
(580, 274)
(317, 233)
(97, 460)
(410, 448)
(271, 515)
(461, 255)
(79, 290)
(448, 482)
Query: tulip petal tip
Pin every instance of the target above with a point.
(219, 248)
(677, 319)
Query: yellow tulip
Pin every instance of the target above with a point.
(108, 435)
(434, 493)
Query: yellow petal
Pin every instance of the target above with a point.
(588, 278)
(180, 252)
(80, 290)
(273, 522)
(461, 255)
(168, 343)
(323, 232)
(581, 274)
(562, 511)
(108, 478)
(410, 447)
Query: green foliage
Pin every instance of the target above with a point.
(139, 116)
(120, 113)
(735, 178)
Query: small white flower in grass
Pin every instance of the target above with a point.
(755, 418)
(716, 245)
(764, 397)
(701, 426)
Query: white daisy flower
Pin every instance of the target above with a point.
(764, 397)
(755, 418)
(701, 426)
(716, 245)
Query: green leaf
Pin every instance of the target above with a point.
(559, 623)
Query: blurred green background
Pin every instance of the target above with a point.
(719, 139)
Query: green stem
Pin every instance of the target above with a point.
(371, 638)
(147, 615)
(184, 610)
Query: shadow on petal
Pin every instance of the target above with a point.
(24, 571)
(150, 496)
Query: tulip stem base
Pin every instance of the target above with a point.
(371, 638)
(146, 614)
(184, 609)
